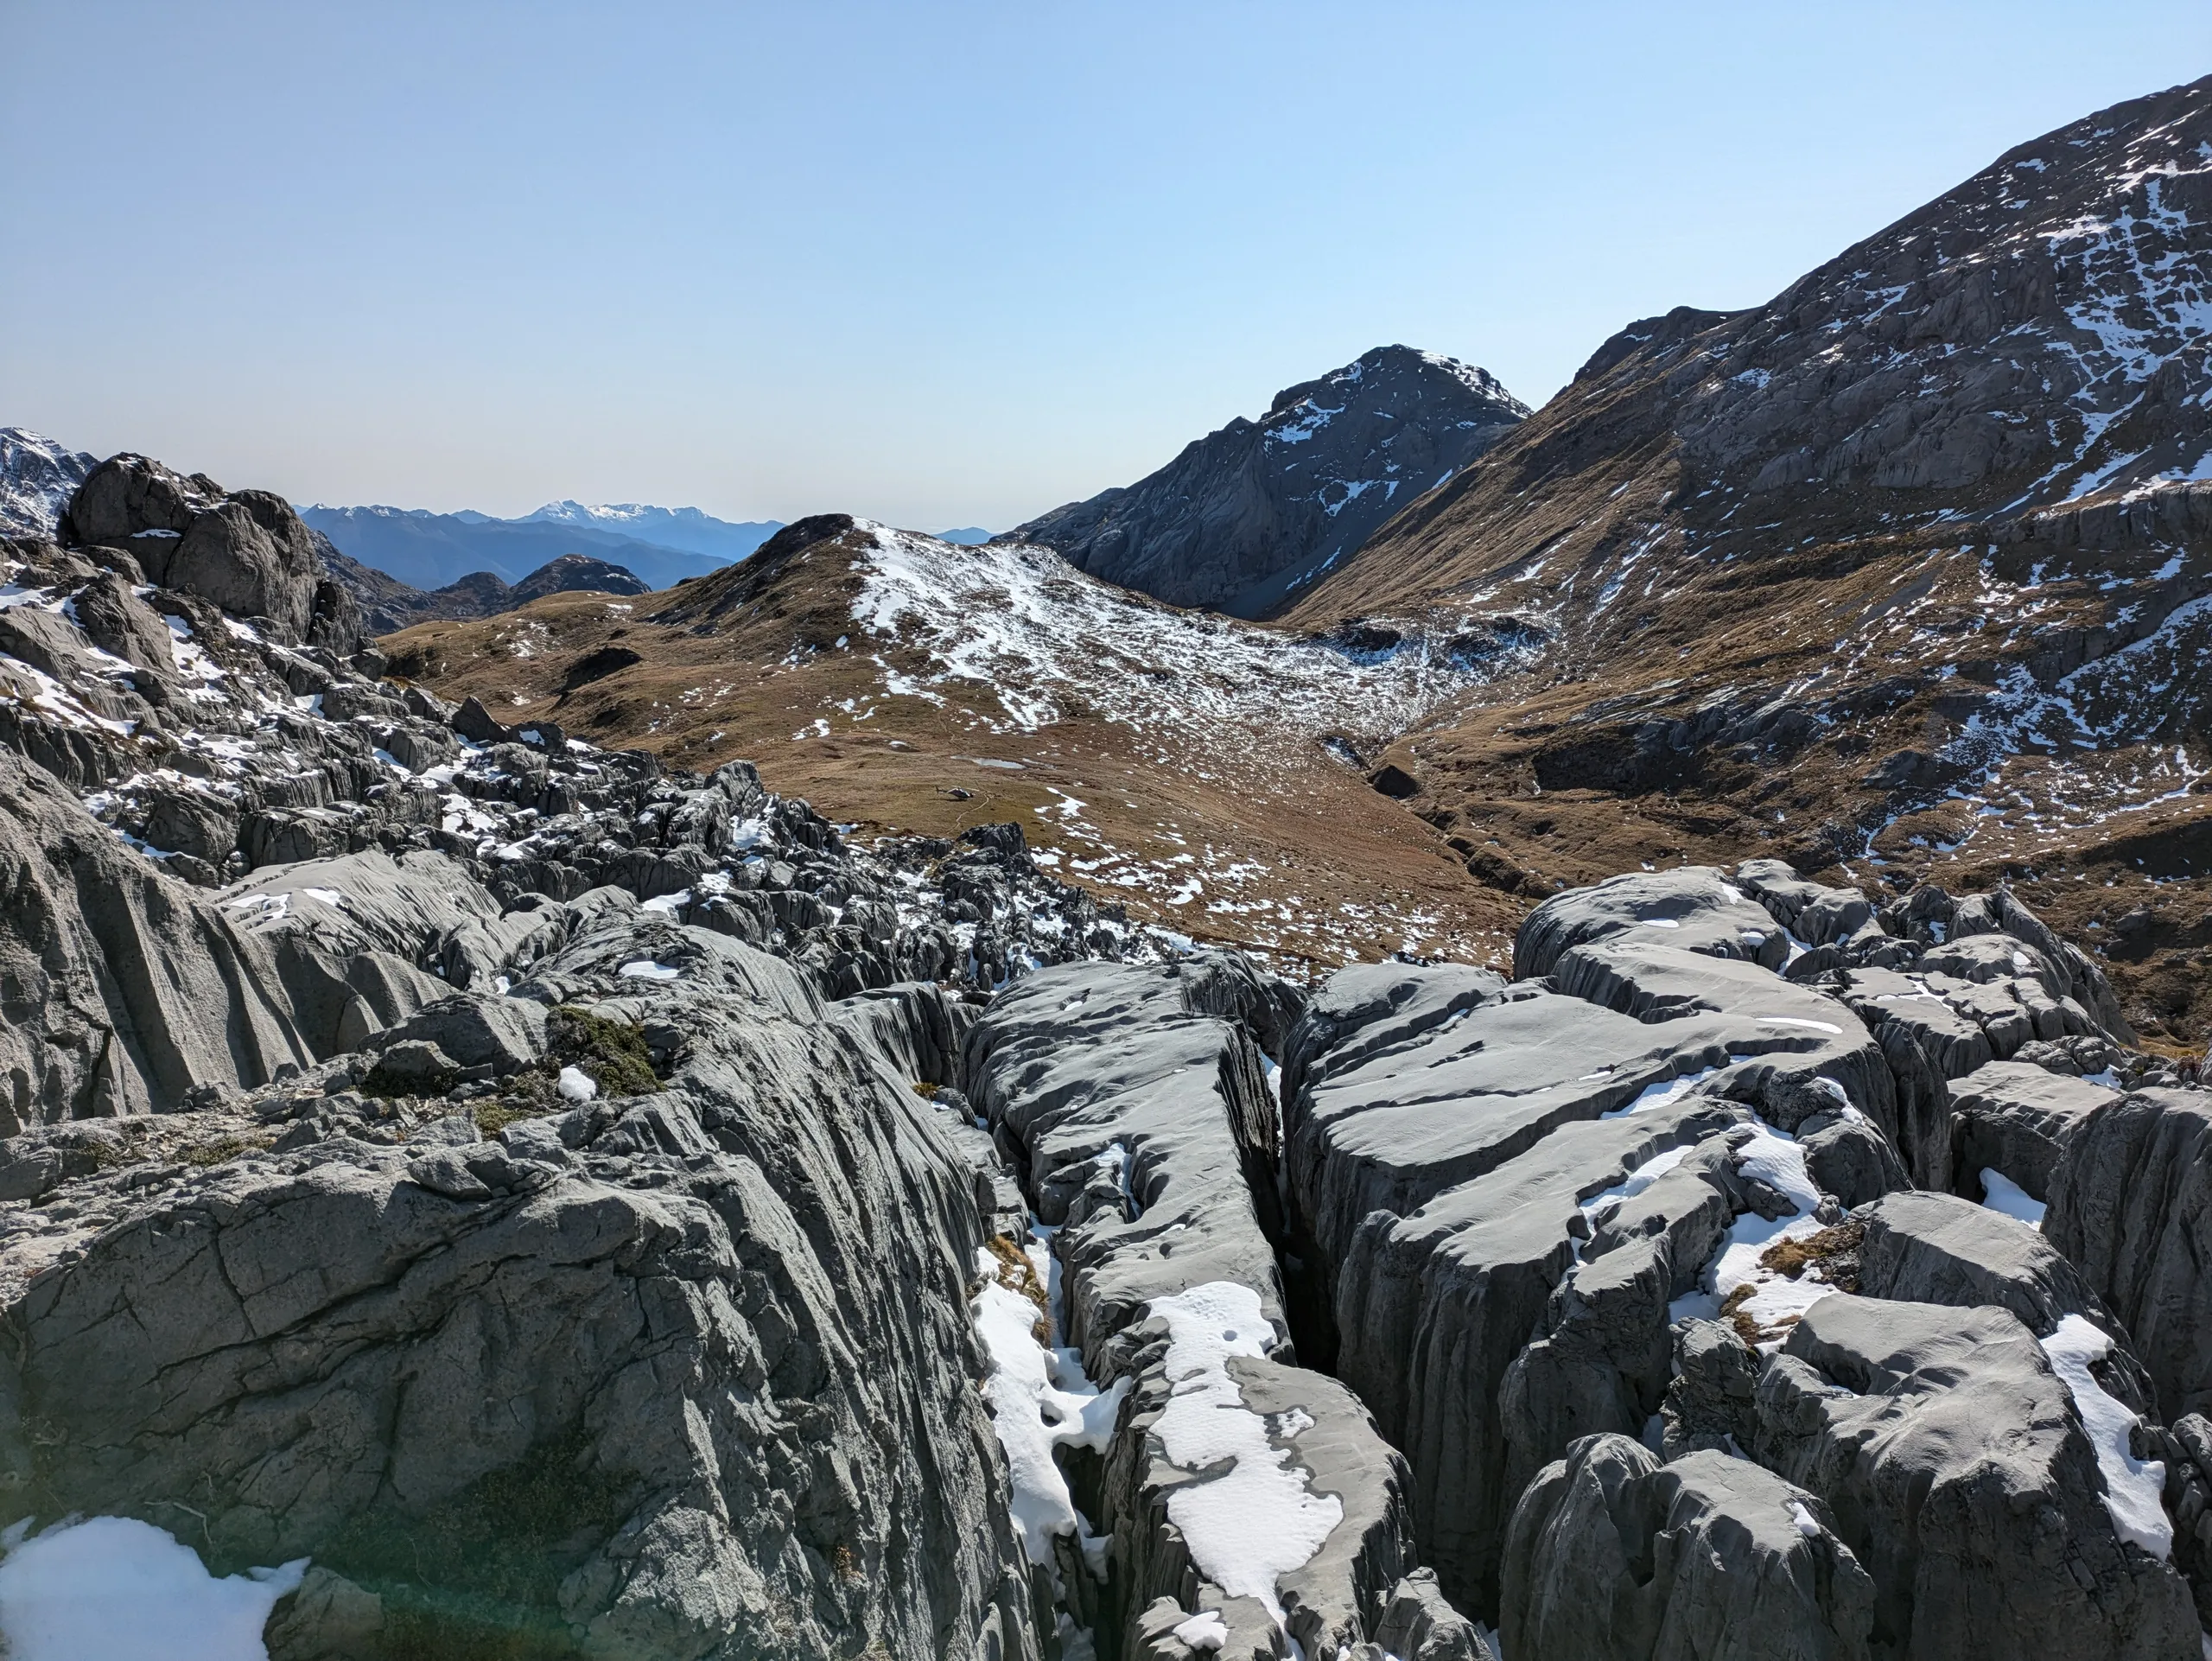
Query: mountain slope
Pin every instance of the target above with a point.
(1206, 772)
(1909, 569)
(428, 550)
(37, 477)
(1246, 515)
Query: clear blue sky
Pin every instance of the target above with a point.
(938, 264)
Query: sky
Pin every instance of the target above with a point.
(941, 264)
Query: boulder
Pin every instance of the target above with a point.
(1419, 1624)
(502, 1035)
(1956, 1468)
(1850, 1158)
(1695, 907)
(1615, 1556)
(246, 552)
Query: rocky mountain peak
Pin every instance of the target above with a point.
(1247, 516)
(37, 477)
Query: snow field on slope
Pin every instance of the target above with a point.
(1024, 624)
(1259, 1519)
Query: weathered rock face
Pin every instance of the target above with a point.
(244, 551)
(1134, 1104)
(2131, 1199)
(1957, 1471)
(37, 477)
(1523, 1198)
(1695, 908)
(1616, 1556)
(1246, 516)
(120, 989)
(2015, 1118)
(681, 1366)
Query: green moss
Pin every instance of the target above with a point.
(477, 1578)
(223, 1150)
(493, 1118)
(613, 1053)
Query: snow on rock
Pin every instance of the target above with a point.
(1256, 1518)
(111, 1589)
(1040, 1400)
(1772, 1157)
(37, 477)
(1203, 1632)
(2132, 1486)
(2005, 1195)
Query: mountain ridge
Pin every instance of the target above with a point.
(1904, 571)
(1244, 517)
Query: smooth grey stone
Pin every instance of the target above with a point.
(2014, 1118)
(1420, 1624)
(1816, 915)
(1851, 1159)
(1955, 1467)
(1694, 907)
(505, 1035)
(1615, 1556)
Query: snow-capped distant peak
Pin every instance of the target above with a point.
(614, 513)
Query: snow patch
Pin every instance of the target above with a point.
(115, 1589)
(2132, 1486)
(1250, 1524)
(1040, 1400)
(2007, 1196)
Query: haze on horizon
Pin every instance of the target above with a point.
(939, 265)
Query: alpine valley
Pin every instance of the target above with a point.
(1440, 1031)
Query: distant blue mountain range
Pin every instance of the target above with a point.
(660, 545)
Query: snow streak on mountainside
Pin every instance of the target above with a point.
(37, 477)
(1246, 516)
